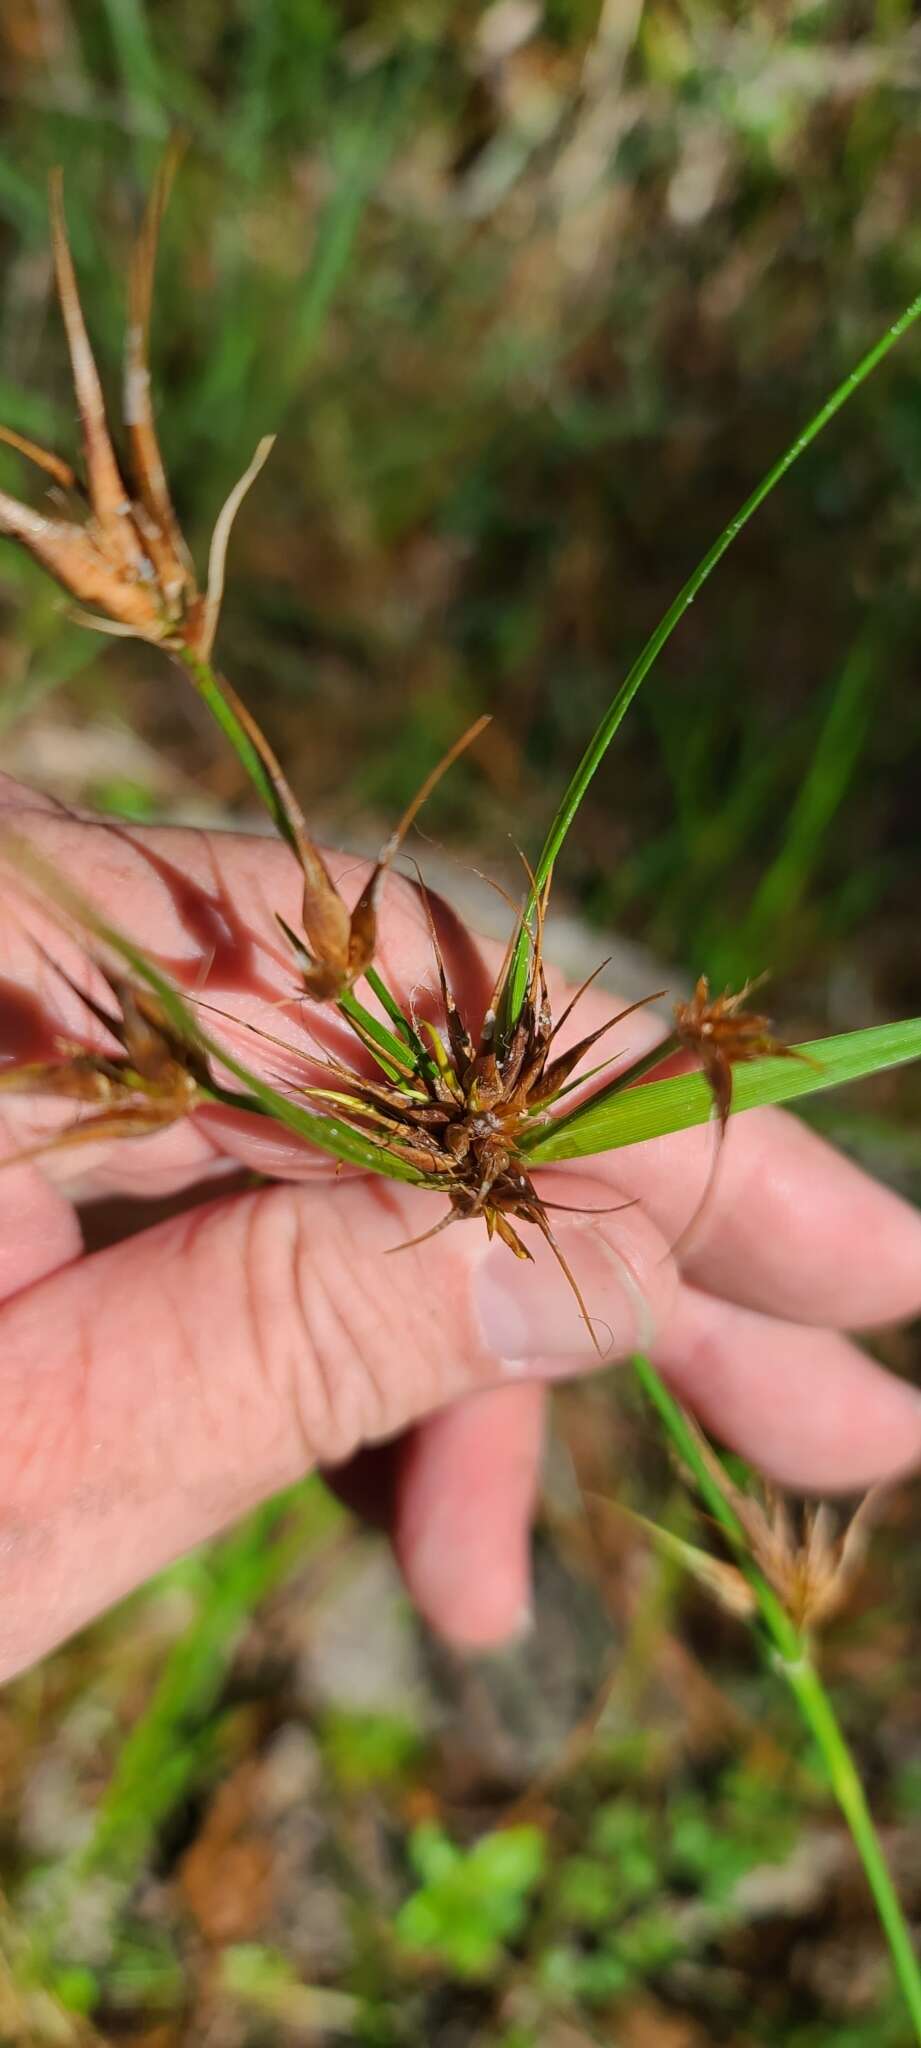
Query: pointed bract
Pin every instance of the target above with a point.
(127, 560)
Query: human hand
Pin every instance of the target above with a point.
(153, 1391)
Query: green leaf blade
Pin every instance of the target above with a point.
(656, 1108)
(598, 745)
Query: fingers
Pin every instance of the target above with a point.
(18, 797)
(465, 1490)
(803, 1405)
(154, 1391)
(792, 1226)
(38, 1228)
(456, 1494)
(205, 903)
(204, 906)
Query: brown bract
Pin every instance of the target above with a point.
(341, 944)
(150, 1080)
(811, 1561)
(723, 1034)
(120, 550)
(117, 547)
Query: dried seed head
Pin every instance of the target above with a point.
(463, 1109)
(151, 1080)
(723, 1034)
(811, 1567)
(123, 555)
(810, 1562)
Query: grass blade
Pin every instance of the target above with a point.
(627, 1116)
(138, 64)
(601, 740)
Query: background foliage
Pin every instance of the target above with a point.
(532, 296)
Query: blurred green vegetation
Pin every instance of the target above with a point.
(532, 295)
(531, 298)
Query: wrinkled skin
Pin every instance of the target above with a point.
(152, 1391)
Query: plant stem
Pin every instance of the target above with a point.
(269, 783)
(209, 688)
(785, 1638)
(601, 740)
(790, 1655)
(819, 1715)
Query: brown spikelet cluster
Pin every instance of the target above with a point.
(148, 1080)
(115, 546)
(461, 1109)
(810, 1560)
(723, 1034)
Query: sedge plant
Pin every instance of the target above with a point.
(785, 1589)
(469, 1107)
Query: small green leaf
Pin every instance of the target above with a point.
(77, 1987)
(588, 1893)
(511, 1860)
(470, 1903)
(432, 1853)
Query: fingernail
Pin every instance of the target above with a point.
(531, 1319)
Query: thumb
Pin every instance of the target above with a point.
(153, 1392)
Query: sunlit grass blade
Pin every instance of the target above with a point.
(626, 1116)
(405, 1029)
(394, 1056)
(601, 739)
(325, 1132)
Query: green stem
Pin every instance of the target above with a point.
(790, 1656)
(785, 1639)
(269, 784)
(819, 1715)
(598, 745)
(222, 711)
(390, 1052)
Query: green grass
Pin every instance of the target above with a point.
(174, 1746)
(519, 382)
